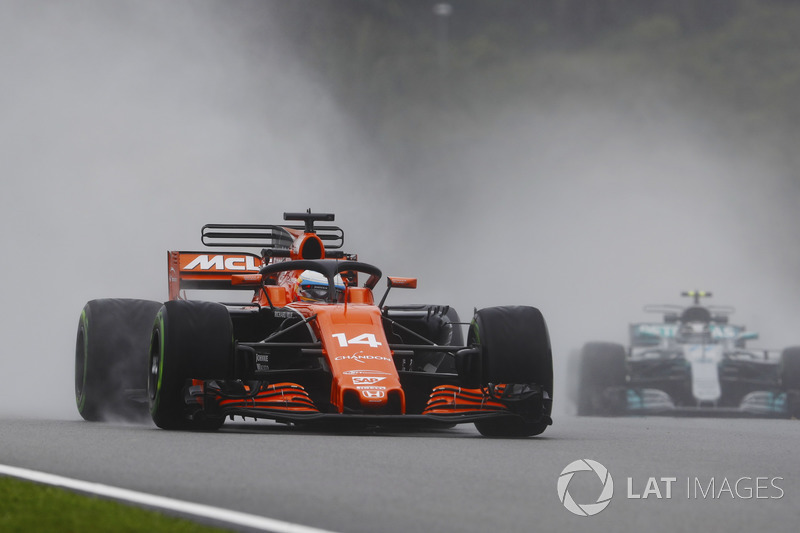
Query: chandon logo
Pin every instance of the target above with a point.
(361, 358)
(587, 509)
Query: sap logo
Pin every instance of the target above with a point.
(652, 488)
(221, 262)
(366, 380)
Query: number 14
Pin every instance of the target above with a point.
(365, 338)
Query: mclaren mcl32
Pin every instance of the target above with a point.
(310, 345)
(695, 363)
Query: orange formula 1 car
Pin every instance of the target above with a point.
(310, 346)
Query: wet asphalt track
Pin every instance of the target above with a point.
(450, 480)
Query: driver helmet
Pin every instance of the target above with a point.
(312, 286)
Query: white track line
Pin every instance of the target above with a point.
(160, 502)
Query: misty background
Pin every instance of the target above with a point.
(584, 157)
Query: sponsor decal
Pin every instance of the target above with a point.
(670, 330)
(373, 394)
(370, 387)
(262, 362)
(366, 380)
(283, 314)
(356, 372)
(360, 358)
(223, 262)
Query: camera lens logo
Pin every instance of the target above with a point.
(587, 509)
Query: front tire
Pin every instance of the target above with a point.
(111, 359)
(190, 340)
(509, 427)
(602, 369)
(515, 349)
(789, 369)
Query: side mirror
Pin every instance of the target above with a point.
(747, 336)
(400, 283)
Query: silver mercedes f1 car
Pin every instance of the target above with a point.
(693, 362)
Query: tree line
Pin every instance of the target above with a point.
(382, 58)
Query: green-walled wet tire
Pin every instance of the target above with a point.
(111, 359)
(190, 340)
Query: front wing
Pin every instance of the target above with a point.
(655, 402)
(290, 403)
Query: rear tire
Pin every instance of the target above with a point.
(602, 367)
(436, 323)
(515, 349)
(190, 340)
(111, 359)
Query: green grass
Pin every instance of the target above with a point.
(27, 506)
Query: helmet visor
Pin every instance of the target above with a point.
(313, 291)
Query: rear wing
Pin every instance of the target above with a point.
(267, 236)
(653, 333)
(209, 271)
(216, 270)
